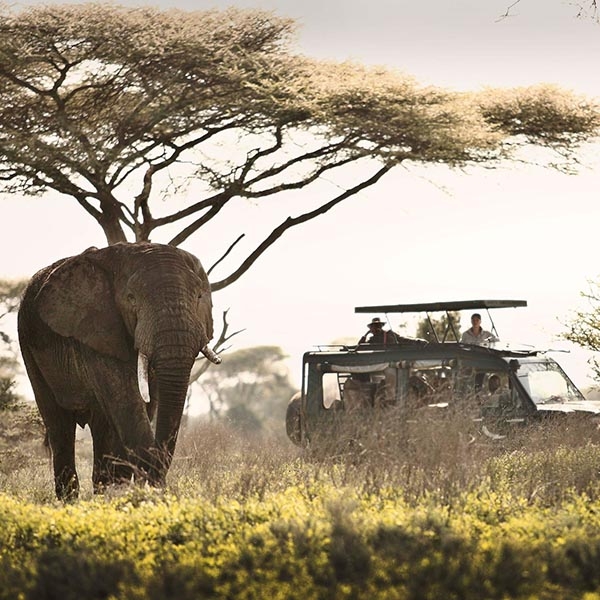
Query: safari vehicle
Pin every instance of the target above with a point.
(495, 388)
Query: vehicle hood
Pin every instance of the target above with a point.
(585, 406)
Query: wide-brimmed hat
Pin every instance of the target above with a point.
(376, 321)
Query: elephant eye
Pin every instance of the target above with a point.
(131, 298)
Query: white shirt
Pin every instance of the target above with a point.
(469, 337)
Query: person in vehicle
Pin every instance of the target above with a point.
(378, 335)
(494, 383)
(358, 393)
(498, 394)
(420, 391)
(476, 334)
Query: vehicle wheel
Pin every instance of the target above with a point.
(293, 419)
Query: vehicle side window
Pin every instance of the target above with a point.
(376, 389)
(331, 390)
(430, 383)
(498, 396)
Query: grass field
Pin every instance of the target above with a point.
(426, 511)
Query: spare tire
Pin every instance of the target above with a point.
(293, 419)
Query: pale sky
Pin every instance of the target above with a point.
(421, 234)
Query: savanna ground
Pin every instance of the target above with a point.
(425, 510)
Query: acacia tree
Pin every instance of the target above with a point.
(583, 328)
(120, 107)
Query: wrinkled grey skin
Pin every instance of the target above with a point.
(82, 323)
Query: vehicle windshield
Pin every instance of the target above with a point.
(546, 382)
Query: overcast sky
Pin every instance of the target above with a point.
(422, 234)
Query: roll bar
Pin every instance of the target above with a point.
(446, 307)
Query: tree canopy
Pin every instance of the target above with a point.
(121, 108)
(432, 329)
(583, 326)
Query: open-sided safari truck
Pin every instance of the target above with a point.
(495, 387)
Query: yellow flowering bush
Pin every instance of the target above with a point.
(435, 515)
(336, 543)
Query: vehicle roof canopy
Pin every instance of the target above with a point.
(441, 306)
(446, 307)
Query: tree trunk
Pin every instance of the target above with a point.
(114, 233)
(110, 220)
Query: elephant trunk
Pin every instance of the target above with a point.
(172, 380)
(168, 341)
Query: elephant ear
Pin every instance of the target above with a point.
(77, 301)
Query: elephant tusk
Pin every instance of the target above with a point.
(142, 372)
(214, 358)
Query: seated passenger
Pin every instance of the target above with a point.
(498, 394)
(417, 392)
(493, 383)
(358, 394)
(377, 335)
(476, 334)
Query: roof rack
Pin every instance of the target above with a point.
(441, 306)
(446, 307)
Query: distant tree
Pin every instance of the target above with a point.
(440, 327)
(10, 296)
(250, 388)
(583, 327)
(121, 108)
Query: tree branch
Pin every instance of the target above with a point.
(130, 163)
(507, 14)
(292, 222)
(329, 150)
(201, 364)
(225, 254)
(295, 185)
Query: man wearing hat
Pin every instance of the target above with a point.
(377, 335)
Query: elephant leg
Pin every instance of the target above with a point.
(62, 444)
(117, 393)
(60, 426)
(110, 461)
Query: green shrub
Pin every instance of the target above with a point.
(334, 543)
(423, 512)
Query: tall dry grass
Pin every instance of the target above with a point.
(423, 458)
(420, 459)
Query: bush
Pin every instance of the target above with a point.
(8, 395)
(328, 543)
(419, 512)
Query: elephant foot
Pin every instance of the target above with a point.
(67, 487)
(155, 477)
(110, 477)
(149, 466)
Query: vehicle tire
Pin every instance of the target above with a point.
(293, 419)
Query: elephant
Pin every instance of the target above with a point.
(109, 338)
